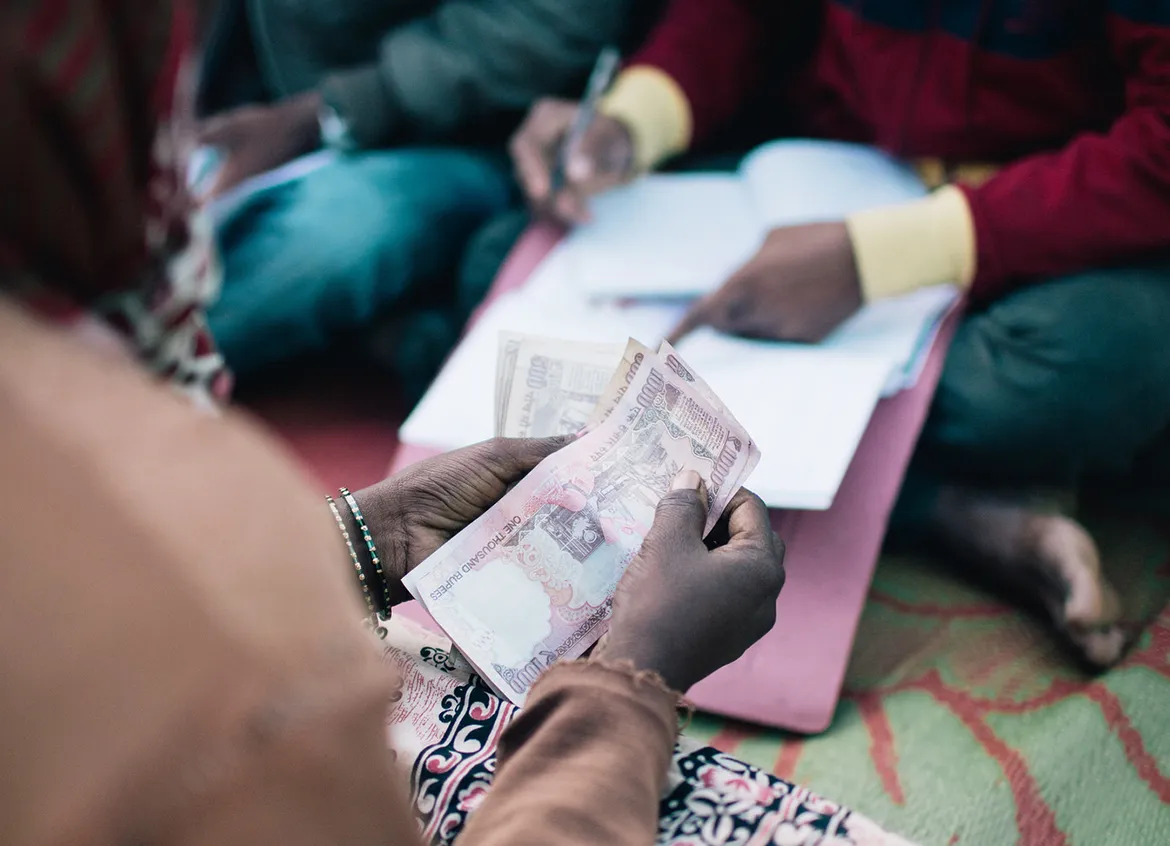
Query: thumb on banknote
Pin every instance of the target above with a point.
(683, 609)
(684, 508)
(679, 520)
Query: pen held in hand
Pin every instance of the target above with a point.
(599, 81)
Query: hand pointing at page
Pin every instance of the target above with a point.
(800, 285)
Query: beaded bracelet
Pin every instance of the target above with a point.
(357, 566)
(364, 529)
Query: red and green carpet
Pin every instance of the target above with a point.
(963, 722)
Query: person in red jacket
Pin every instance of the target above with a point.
(1044, 128)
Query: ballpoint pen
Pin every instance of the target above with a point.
(599, 80)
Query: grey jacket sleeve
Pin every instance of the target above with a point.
(472, 60)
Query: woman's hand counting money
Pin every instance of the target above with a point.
(685, 608)
(414, 512)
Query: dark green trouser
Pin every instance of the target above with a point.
(1050, 384)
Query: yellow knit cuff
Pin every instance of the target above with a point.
(655, 109)
(912, 245)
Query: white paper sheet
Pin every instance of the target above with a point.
(205, 165)
(668, 238)
(900, 329)
(672, 235)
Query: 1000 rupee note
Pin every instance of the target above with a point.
(632, 358)
(674, 362)
(531, 582)
(670, 359)
(547, 386)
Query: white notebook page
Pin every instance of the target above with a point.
(665, 235)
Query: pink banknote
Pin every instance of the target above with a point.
(531, 582)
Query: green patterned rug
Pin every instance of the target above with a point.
(964, 723)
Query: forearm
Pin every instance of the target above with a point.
(584, 763)
(1045, 216)
(1102, 200)
(370, 111)
(304, 121)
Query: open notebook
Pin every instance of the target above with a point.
(681, 235)
(668, 238)
(807, 408)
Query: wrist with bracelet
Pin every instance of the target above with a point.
(367, 564)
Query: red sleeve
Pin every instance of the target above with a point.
(1102, 199)
(712, 49)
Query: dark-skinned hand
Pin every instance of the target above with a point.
(413, 513)
(685, 608)
(255, 139)
(800, 286)
(602, 160)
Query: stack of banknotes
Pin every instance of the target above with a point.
(531, 582)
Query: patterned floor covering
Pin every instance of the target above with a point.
(963, 722)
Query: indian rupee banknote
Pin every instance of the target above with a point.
(531, 582)
(546, 386)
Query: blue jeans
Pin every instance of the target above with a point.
(369, 236)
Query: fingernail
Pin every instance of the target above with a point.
(687, 480)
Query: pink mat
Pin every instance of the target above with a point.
(792, 678)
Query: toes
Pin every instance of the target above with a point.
(1069, 550)
(1091, 609)
(1110, 611)
(1101, 647)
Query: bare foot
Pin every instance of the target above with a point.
(1047, 558)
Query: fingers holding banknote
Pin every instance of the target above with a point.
(684, 610)
(414, 512)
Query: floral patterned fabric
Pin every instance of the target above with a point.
(447, 725)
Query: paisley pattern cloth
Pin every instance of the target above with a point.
(447, 724)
